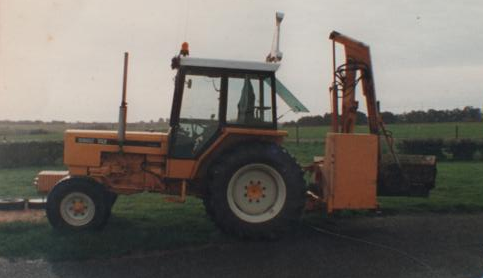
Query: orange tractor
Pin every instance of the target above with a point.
(223, 146)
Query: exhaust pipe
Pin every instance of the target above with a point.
(275, 54)
(121, 131)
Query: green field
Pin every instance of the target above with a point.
(18, 132)
(18, 182)
(53, 131)
(57, 136)
(433, 130)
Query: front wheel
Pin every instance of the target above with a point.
(257, 191)
(76, 204)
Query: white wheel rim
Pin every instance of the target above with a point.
(77, 209)
(256, 193)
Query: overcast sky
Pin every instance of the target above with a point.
(62, 60)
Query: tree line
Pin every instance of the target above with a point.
(467, 114)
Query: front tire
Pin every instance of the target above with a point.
(256, 191)
(76, 204)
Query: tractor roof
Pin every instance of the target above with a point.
(228, 64)
(282, 91)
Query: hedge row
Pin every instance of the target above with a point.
(456, 149)
(21, 154)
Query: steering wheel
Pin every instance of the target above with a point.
(195, 127)
(199, 137)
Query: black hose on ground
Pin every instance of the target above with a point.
(378, 245)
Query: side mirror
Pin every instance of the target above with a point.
(189, 83)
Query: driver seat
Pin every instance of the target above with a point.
(246, 104)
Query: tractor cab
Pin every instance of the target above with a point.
(213, 94)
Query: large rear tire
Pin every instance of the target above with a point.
(256, 191)
(77, 204)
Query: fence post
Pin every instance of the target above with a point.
(297, 133)
(456, 131)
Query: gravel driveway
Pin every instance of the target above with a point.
(429, 245)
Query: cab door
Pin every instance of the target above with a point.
(198, 121)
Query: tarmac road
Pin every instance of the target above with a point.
(429, 245)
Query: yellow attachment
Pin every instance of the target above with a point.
(348, 173)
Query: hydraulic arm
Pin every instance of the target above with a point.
(357, 68)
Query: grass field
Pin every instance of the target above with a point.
(144, 222)
(425, 130)
(53, 131)
(18, 182)
(57, 136)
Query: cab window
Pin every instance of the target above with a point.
(249, 101)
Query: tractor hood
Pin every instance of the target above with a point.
(84, 147)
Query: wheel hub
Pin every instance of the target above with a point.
(254, 191)
(78, 207)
